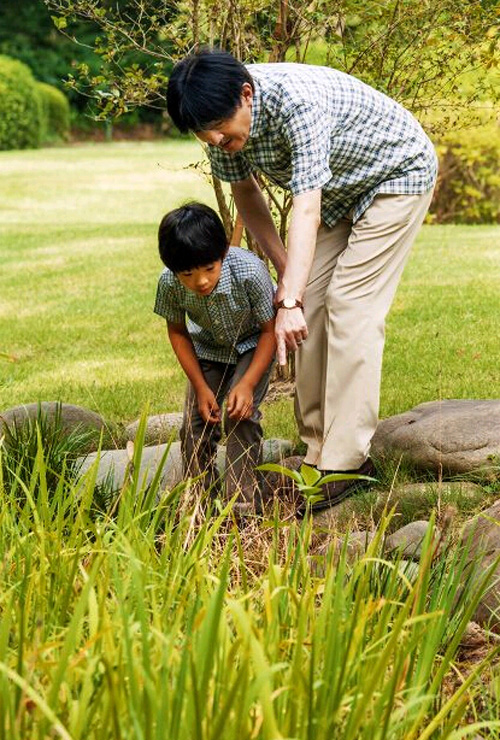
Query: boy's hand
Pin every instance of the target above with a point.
(208, 406)
(240, 401)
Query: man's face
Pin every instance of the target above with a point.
(231, 134)
(201, 280)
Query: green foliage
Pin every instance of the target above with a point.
(21, 114)
(21, 441)
(309, 481)
(156, 622)
(468, 189)
(416, 52)
(27, 33)
(56, 112)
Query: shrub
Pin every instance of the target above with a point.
(56, 112)
(468, 188)
(21, 112)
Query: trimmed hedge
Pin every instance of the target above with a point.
(56, 112)
(468, 187)
(21, 114)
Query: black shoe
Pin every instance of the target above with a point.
(336, 491)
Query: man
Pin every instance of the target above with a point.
(361, 172)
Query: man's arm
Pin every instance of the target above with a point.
(240, 399)
(184, 350)
(294, 265)
(291, 328)
(257, 218)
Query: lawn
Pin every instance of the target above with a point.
(79, 269)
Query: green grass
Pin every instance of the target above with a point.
(156, 622)
(78, 275)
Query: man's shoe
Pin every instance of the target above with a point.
(336, 491)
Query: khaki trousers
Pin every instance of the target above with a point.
(353, 280)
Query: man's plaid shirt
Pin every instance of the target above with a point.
(315, 127)
(226, 323)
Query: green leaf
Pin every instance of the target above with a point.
(274, 468)
(59, 23)
(309, 474)
(345, 476)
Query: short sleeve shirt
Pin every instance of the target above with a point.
(226, 323)
(315, 127)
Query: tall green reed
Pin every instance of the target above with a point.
(157, 620)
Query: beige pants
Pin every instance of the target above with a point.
(353, 280)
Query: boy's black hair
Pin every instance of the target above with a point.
(205, 88)
(191, 236)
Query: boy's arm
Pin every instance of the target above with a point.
(184, 350)
(240, 399)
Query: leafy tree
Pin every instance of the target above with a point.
(415, 50)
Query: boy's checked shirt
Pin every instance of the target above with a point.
(226, 323)
(315, 127)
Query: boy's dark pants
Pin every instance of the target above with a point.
(244, 437)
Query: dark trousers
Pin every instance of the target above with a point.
(243, 437)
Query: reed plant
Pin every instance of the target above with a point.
(162, 619)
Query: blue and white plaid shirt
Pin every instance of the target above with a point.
(315, 127)
(226, 323)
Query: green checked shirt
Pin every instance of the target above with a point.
(315, 127)
(226, 323)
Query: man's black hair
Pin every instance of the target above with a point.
(205, 88)
(191, 236)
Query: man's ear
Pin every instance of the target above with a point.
(246, 93)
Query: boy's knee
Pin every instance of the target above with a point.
(240, 426)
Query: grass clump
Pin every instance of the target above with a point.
(159, 621)
(24, 437)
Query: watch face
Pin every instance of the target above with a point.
(289, 303)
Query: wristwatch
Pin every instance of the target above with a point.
(290, 303)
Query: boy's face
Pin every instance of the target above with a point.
(201, 280)
(231, 134)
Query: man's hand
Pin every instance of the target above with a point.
(207, 405)
(240, 401)
(291, 331)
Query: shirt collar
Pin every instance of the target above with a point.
(224, 284)
(257, 118)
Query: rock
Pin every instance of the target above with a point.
(481, 537)
(357, 544)
(276, 450)
(474, 644)
(409, 539)
(455, 436)
(72, 419)
(113, 464)
(418, 500)
(281, 489)
(409, 501)
(160, 428)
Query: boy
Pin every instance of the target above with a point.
(226, 346)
